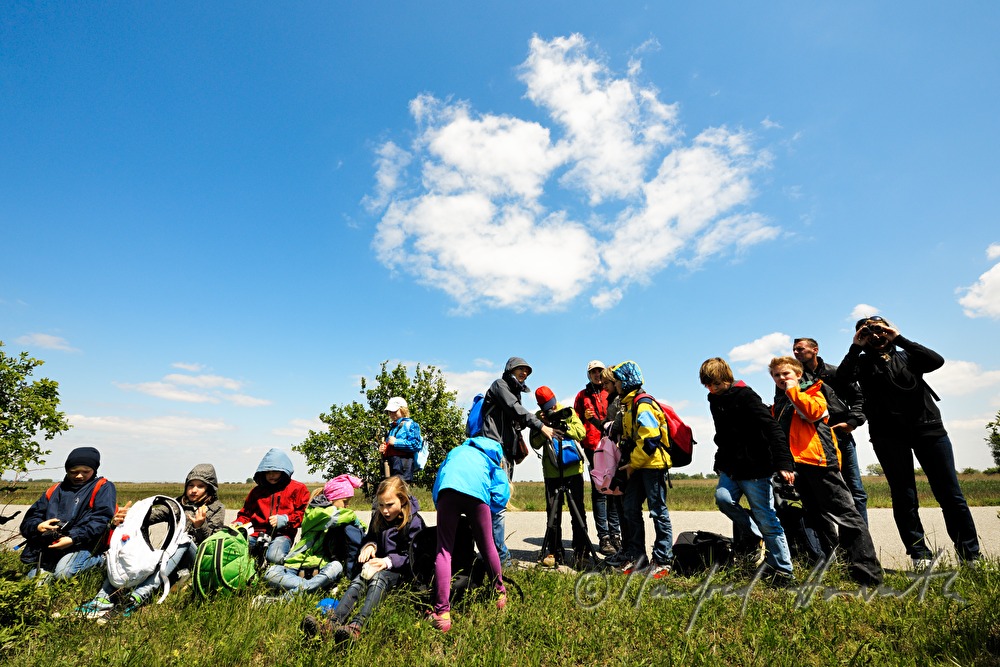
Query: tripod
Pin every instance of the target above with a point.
(552, 542)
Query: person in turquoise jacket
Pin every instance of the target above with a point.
(471, 481)
(562, 465)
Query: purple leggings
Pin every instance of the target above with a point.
(451, 505)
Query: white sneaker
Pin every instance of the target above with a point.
(921, 564)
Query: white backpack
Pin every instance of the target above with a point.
(131, 555)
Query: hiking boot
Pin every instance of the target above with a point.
(440, 622)
(95, 609)
(606, 546)
(352, 631)
(616, 542)
(779, 579)
(549, 561)
(317, 627)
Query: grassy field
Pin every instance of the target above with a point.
(563, 619)
(689, 494)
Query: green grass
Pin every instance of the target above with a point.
(687, 494)
(680, 621)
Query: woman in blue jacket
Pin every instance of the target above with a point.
(471, 481)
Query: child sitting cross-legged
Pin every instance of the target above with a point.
(330, 542)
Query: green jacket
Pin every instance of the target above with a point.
(574, 430)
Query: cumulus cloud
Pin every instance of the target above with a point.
(982, 298)
(45, 341)
(468, 384)
(194, 368)
(174, 427)
(500, 211)
(299, 428)
(756, 354)
(196, 389)
(863, 310)
(959, 378)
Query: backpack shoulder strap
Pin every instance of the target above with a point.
(51, 490)
(97, 487)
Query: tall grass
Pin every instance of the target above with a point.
(677, 621)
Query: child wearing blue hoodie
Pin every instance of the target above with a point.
(275, 506)
(67, 527)
(471, 481)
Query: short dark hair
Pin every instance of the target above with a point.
(811, 341)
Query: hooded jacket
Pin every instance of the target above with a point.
(408, 438)
(642, 438)
(596, 399)
(215, 516)
(70, 504)
(311, 552)
(503, 415)
(287, 499)
(801, 412)
(751, 444)
(394, 542)
(474, 468)
(898, 402)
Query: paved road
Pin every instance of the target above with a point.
(526, 529)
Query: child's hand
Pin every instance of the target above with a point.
(62, 542)
(843, 426)
(588, 413)
(119, 516)
(391, 440)
(49, 526)
(787, 475)
(273, 521)
(367, 552)
(200, 515)
(382, 448)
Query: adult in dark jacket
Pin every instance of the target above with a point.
(903, 421)
(846, 414)
(66, 526)
(503, 420)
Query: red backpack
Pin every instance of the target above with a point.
(682, 442)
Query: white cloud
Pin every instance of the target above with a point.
(500, 211)
(769, 124)
(468, 384)
(756, 354)
(959, 378)
(168, 426)
(863, 310)
(206, 389)
(299, 428)
(194, 368)
(982, 298)
(45, 341)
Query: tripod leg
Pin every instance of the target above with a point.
(580, 520)
(552, 542)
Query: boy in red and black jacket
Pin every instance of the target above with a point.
(275, 506)
(591, 406)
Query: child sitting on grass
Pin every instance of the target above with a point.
(205, 515)
(67, 527)
(274, 508)
(384, 558)
(330, 542)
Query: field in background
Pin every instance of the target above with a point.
(689, 494)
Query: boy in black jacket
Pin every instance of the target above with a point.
(751, 446)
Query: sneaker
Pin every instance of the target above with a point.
(606, 547)
(351, 632)
(502, 601)
(183, 577)
(756, 557)
(317, 627)
(96, 608)
(549, 561)
(134, 602)
(657, 570)
(441, 622)
(616, 560)
(779, 579)
(634, 565)
(263, 600)
(921, 564)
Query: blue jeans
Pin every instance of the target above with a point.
(70, 565)
(605, 513)
(651, 486)
(286, 579)
(373, 590)
(761, 521)
(851, 471)
(498, 537)
(938, 461)
(276, 550)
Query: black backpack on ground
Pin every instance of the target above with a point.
(467, 566)
(697, 551)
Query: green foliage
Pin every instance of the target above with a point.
(22, 605)
(994, 438)
(354, 431)
(26, 408)
(875, 470)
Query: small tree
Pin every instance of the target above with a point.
(354, 431)
(994, 438)
(26, 409)
(875, 470)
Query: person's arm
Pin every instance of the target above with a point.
(33, 517)
(575, 429)
(523, 418)
(648, 438)
(408, 437)
(92, 523)
(299, 500)
(920, 359)
(781, 455)
(809, 405)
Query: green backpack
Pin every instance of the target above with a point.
(223, 562)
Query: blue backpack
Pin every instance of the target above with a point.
(474, 422)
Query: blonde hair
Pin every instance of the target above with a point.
(778, 362)
(394, 486)
(404, 411)
(715, 370)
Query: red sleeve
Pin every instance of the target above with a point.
(299, 500)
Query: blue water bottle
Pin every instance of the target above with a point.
(327, 605)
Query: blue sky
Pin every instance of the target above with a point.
(218, 217)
